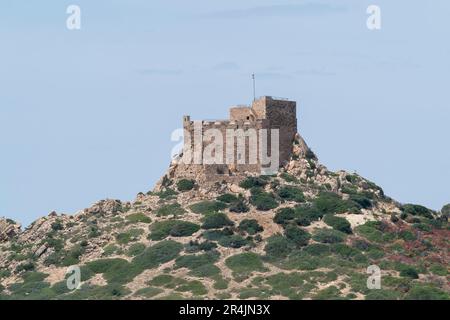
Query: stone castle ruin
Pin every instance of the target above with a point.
(255, 139)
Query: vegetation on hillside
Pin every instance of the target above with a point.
(302, 234)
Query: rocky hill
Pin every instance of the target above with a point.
(306, 233)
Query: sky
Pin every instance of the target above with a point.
(88, 114)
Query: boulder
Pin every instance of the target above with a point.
(8, 229)
(105, 207)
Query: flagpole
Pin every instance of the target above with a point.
(254, 87)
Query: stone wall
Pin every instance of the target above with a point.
(282, 115)
(265, 113)
(242, 113)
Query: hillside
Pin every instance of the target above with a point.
(306, 233)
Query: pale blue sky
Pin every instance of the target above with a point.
(87, 114)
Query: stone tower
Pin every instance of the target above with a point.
(264, 114)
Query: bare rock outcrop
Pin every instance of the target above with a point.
(105, 207)
(8, 229)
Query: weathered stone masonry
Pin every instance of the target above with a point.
(264, 113)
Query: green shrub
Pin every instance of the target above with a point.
(34, 276)
(330, 293)
(185, 185)
(93, 292)
(370, 185)
(174, 209)
(53, 259)
(349, 189)
(215, 235)
(60, 288)
(352, 178)
(382, 294)
(284, 215)
(284, 284)
(148, 292)
(57, 225)
(412, 219)
(135, 249)
(62, 257)
(278, 247)
(93, 232)
(375, 231)
(166, 194)
(251, 226)
(157, 254)
(4, 273)
(26, 266)
(178, 284)
(216, 220)
(344, 251)
(288, 178)
(247, 293)
(422, 227)
(316, 249)
(417, 210)
(362, 200)
(329, 236)
(113, 270)
(207, 207)
(446, 209)
(184, 229)
(138, 217)
(72, 257)
(233, 241)
(200, 265)
(409, 272)
(329, 202)
(239, 206)
(375, 253)
(110, 249)
(195, 261)
(195, 287)
(394, 218)
(221, 284)
(227, 198)
(338, 223)
(244, 263)
(302, 221)
(195, 246)
(252, 182)
(291, 194)
(33, 287)
(297, 236)
(438, 269)
(426, 292)
(306, 214)
(207, 246)
(175, 228)
(407, 235)
(163, 280)
(439, 223)
(263, 201)
(129, 236)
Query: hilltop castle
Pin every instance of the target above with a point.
(254, 139)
